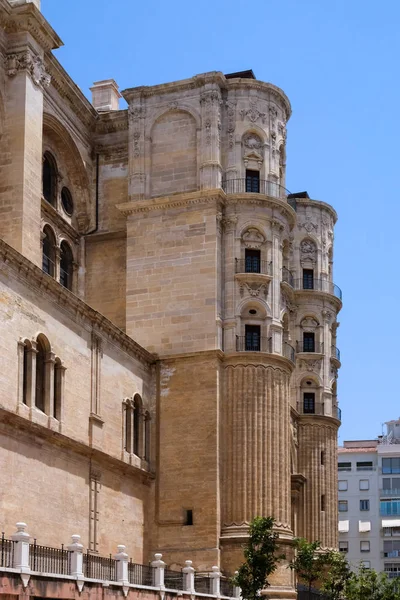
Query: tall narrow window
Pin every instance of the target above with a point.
(25, 374)
(57, 389)
(309, 403)
(48, 251)
(66, 265)
(252, 261)
(49, 178)
(323, 502)
(137, 425)
(308, 341)
(308, 279)
(252, 181)
(252, 338)
(40, 374)
(147, 436)
(128, 427)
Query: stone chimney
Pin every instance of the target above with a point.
(105, 95)
(19, 2)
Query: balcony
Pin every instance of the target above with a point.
(391, 554)
(318, 285)
(391, 492)
(252, 186)
(310, 346)
(247, 265)
(263, 344)
(318, 408)
(335, 353)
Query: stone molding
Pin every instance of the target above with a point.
(318, 204)
(30, 62)
(23, 269)
(166, 202)
(26, 17)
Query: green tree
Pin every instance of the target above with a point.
(367, 584)
(309, 563)
(335, 575)
(260, 558)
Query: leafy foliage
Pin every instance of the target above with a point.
(310, 561)
(336, 575)
(260, 558)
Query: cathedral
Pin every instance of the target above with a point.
(168, 314)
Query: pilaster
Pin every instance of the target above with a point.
(210, 169)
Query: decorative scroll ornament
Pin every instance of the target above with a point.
(253, 113)
(308, 225)
(30, 62)
(254, 290)
(311, 365)
(309, 324)
(252, 142)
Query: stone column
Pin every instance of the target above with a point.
(216, 581)
(159, 568)
(122, 565)
(21, 196)
(137, 173)
(327, 392)
(49, 384)
(275, 289)
(210, 169)
(229, 257)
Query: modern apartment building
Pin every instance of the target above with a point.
(369, 501)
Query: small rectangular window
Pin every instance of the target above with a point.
(188, 517)
(364, 546)
(308, 279)
(252, 338)
(322, 457)
(343, 485)
(366, 564)
(363, 484)
(308, 341)
(252, 181)
(309, 403)
(343, 506)
(364, 504)
(344, 466)
(252, 261)
(323, 502)
(343, 546)
(365, 466)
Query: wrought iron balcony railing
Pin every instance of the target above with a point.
(253, 344)
(287, 276)
(318, 408)
(335, 352)
(320, 285)
(395, 493)
(251, 186)
(288, 352)
(253, 265)
(310, 346)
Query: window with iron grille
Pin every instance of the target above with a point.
(252, 261)
(252, 181)
(252, 338)
(308, 341)
(308, 403)
(308, 279)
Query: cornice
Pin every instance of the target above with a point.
(261, 200)
(116, 120)
(17, 422)
(69, 91)
(31, 275)
(198, 81)
(275, 362)
(26, 17)
(178, 200)
(318, 422)
(318, 204)
(308, 294)
(272, 90)
(201, 355)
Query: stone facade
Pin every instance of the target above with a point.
(168, 310)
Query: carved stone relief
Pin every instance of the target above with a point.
(253, 114)
(231, 112)
(253, 289)
(30, 62)
(309, 324)
(308, 225)
(308, 251)
(311, 364)
(252, 238)
(136, 113)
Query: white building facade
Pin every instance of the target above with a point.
(369, 501)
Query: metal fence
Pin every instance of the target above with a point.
(49, 560)
(173, 579)
(227, 588)
(303, 593)
(140, 574)
(203, 584)
(100, 567)
(6, 552)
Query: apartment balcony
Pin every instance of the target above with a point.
(391, 554)
(310, 347)
(257, 186)
(262, 344)
(253, 266)
(395, 493)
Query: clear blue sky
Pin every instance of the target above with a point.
(338, 61)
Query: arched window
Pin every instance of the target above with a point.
(50, 179)
(41, 351)
(147, 421)
(48, 251)
(137, 425)
(66, 265)
(128, 426)
(66, 201)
